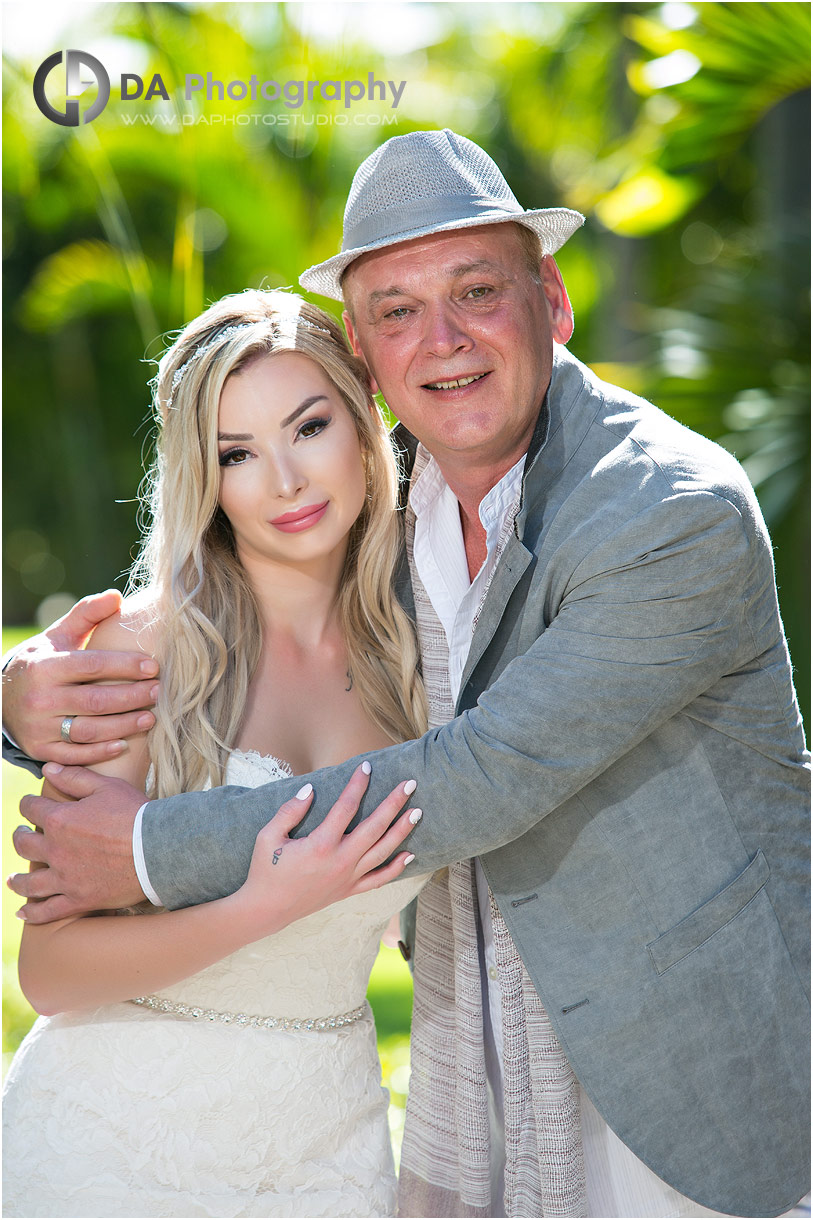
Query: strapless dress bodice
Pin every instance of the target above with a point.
(316, 967)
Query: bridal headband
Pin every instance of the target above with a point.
(283, 327)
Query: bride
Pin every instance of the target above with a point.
(221, 1060)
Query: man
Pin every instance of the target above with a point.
(614, 983)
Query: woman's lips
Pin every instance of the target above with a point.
(300, 519)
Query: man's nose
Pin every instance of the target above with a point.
(444, 333)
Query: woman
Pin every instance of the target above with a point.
(239, 1077)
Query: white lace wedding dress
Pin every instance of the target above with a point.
(252, 1089)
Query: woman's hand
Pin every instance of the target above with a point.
(291, 878)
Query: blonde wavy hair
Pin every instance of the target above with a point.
(200, 596)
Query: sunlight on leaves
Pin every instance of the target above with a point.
(648, 201)
(83, 278)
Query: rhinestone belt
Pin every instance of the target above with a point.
(243, 1019)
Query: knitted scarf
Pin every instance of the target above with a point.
(445, 1157)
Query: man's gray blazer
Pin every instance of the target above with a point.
(628, 763)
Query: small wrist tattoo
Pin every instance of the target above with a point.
(276, 855)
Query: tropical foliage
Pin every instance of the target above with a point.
(681, 130)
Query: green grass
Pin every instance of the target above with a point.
(390, 996)
(390, 990)
(17, 1013)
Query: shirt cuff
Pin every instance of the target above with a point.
(140, 862)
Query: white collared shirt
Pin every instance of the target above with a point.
(440, 555)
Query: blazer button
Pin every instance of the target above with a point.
(405, 951)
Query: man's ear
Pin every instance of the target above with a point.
(559, 307)
(356, 346)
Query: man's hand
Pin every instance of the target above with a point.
(51, 677)
(86, 847)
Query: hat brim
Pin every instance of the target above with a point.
(553, 226)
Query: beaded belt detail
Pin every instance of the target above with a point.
(243, 1019)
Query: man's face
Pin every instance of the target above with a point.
(458, 334)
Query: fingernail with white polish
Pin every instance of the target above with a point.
(408, 860)
(304, 792)
(366, 768)
(21, 914)
(410, 786)
(416, 816)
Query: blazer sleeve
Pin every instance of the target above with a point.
(18, 758)
(650, 618)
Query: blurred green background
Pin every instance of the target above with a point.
(681, 130)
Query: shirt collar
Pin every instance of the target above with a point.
(428, 487)
(427, 484)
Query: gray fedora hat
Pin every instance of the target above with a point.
(429, 182)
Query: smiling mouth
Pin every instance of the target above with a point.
(456, 384)
(300, 519)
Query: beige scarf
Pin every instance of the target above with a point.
(445, 1157)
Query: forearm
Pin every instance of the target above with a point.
(483, 779)
(102, 959)
(639, 634)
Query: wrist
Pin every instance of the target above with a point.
(253, 915)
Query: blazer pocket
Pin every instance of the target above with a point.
(713, 915)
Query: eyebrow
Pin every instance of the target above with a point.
(303, 406)
(289, 419)
(456, 273)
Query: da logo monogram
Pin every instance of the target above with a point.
(75, 62)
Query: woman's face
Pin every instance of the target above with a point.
(292, 479)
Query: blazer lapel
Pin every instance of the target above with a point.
(507, 575)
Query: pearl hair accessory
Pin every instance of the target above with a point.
(283, 327)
